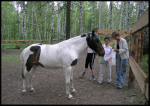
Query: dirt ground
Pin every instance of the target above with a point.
(50, 86)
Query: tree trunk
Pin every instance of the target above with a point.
(62, 28)
(68, 20)
(93, 16)
(121, 15)
(80, 20)
(100, 11)
(37, 27)
(22, 21)
(110, 15)
(124, 15)
(137, 9)
(27, 24)
(31, 33)
(116, 21)
(141, 9)
(25, 32)
(58, 22)
(45, 23)
(52, 24)
(128, 17)
(18, 20)
(75, 31)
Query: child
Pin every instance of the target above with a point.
(104, 63)
(89, 61)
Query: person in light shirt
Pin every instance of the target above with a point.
(89, 61)
(104, 63)
(122, 56)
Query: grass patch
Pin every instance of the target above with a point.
(14, 59)
(144, 63)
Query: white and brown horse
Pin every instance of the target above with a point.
(62, 55)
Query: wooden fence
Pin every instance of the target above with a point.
(28, 42)
(136, 53)
(102, 32)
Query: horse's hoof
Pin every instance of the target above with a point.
(32, 90)
(70, 96)
(24, 90)
(74, 91)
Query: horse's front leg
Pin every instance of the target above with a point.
(71, 81)
(67, 77)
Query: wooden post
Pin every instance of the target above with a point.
(131, 75)
(142, 42)
(131, 79)
(139, 47)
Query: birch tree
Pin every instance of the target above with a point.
(137, 9)
(45, 23)
(93, 6)
(110, 15)
(80, 20)
(124, 15)
(58, 22)
(68, 20)
(18, 20)
(75, 21)
(31, 33)
(22, 18)
(116, 21)
(52, 24)
(37, 26)
(100, 11)
(128, 17)
(121, 17)
(25, 32)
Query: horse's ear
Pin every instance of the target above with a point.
(93, 33)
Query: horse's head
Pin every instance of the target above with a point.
(94, 43)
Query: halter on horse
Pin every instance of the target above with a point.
(62, 55)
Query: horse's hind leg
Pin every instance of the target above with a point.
(24, 73)
(67, 77)
(71, 81)
(31, 76)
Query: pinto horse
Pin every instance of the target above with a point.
(63, 55)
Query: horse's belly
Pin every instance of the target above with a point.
(52, 67)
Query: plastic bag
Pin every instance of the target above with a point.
(112, 58)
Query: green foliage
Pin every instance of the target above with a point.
(144, 63)
(10, 20)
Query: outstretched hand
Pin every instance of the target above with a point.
(116, 50)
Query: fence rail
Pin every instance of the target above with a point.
(28, 42)
(142, 22)
(140, 76)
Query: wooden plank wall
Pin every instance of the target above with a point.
(136, 53)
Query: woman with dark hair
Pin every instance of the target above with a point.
(122, 55)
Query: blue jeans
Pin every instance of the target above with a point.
(121, 69)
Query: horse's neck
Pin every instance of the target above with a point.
(79, 44)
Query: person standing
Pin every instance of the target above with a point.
(104, 63)
(122, 55)
(89, 61)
